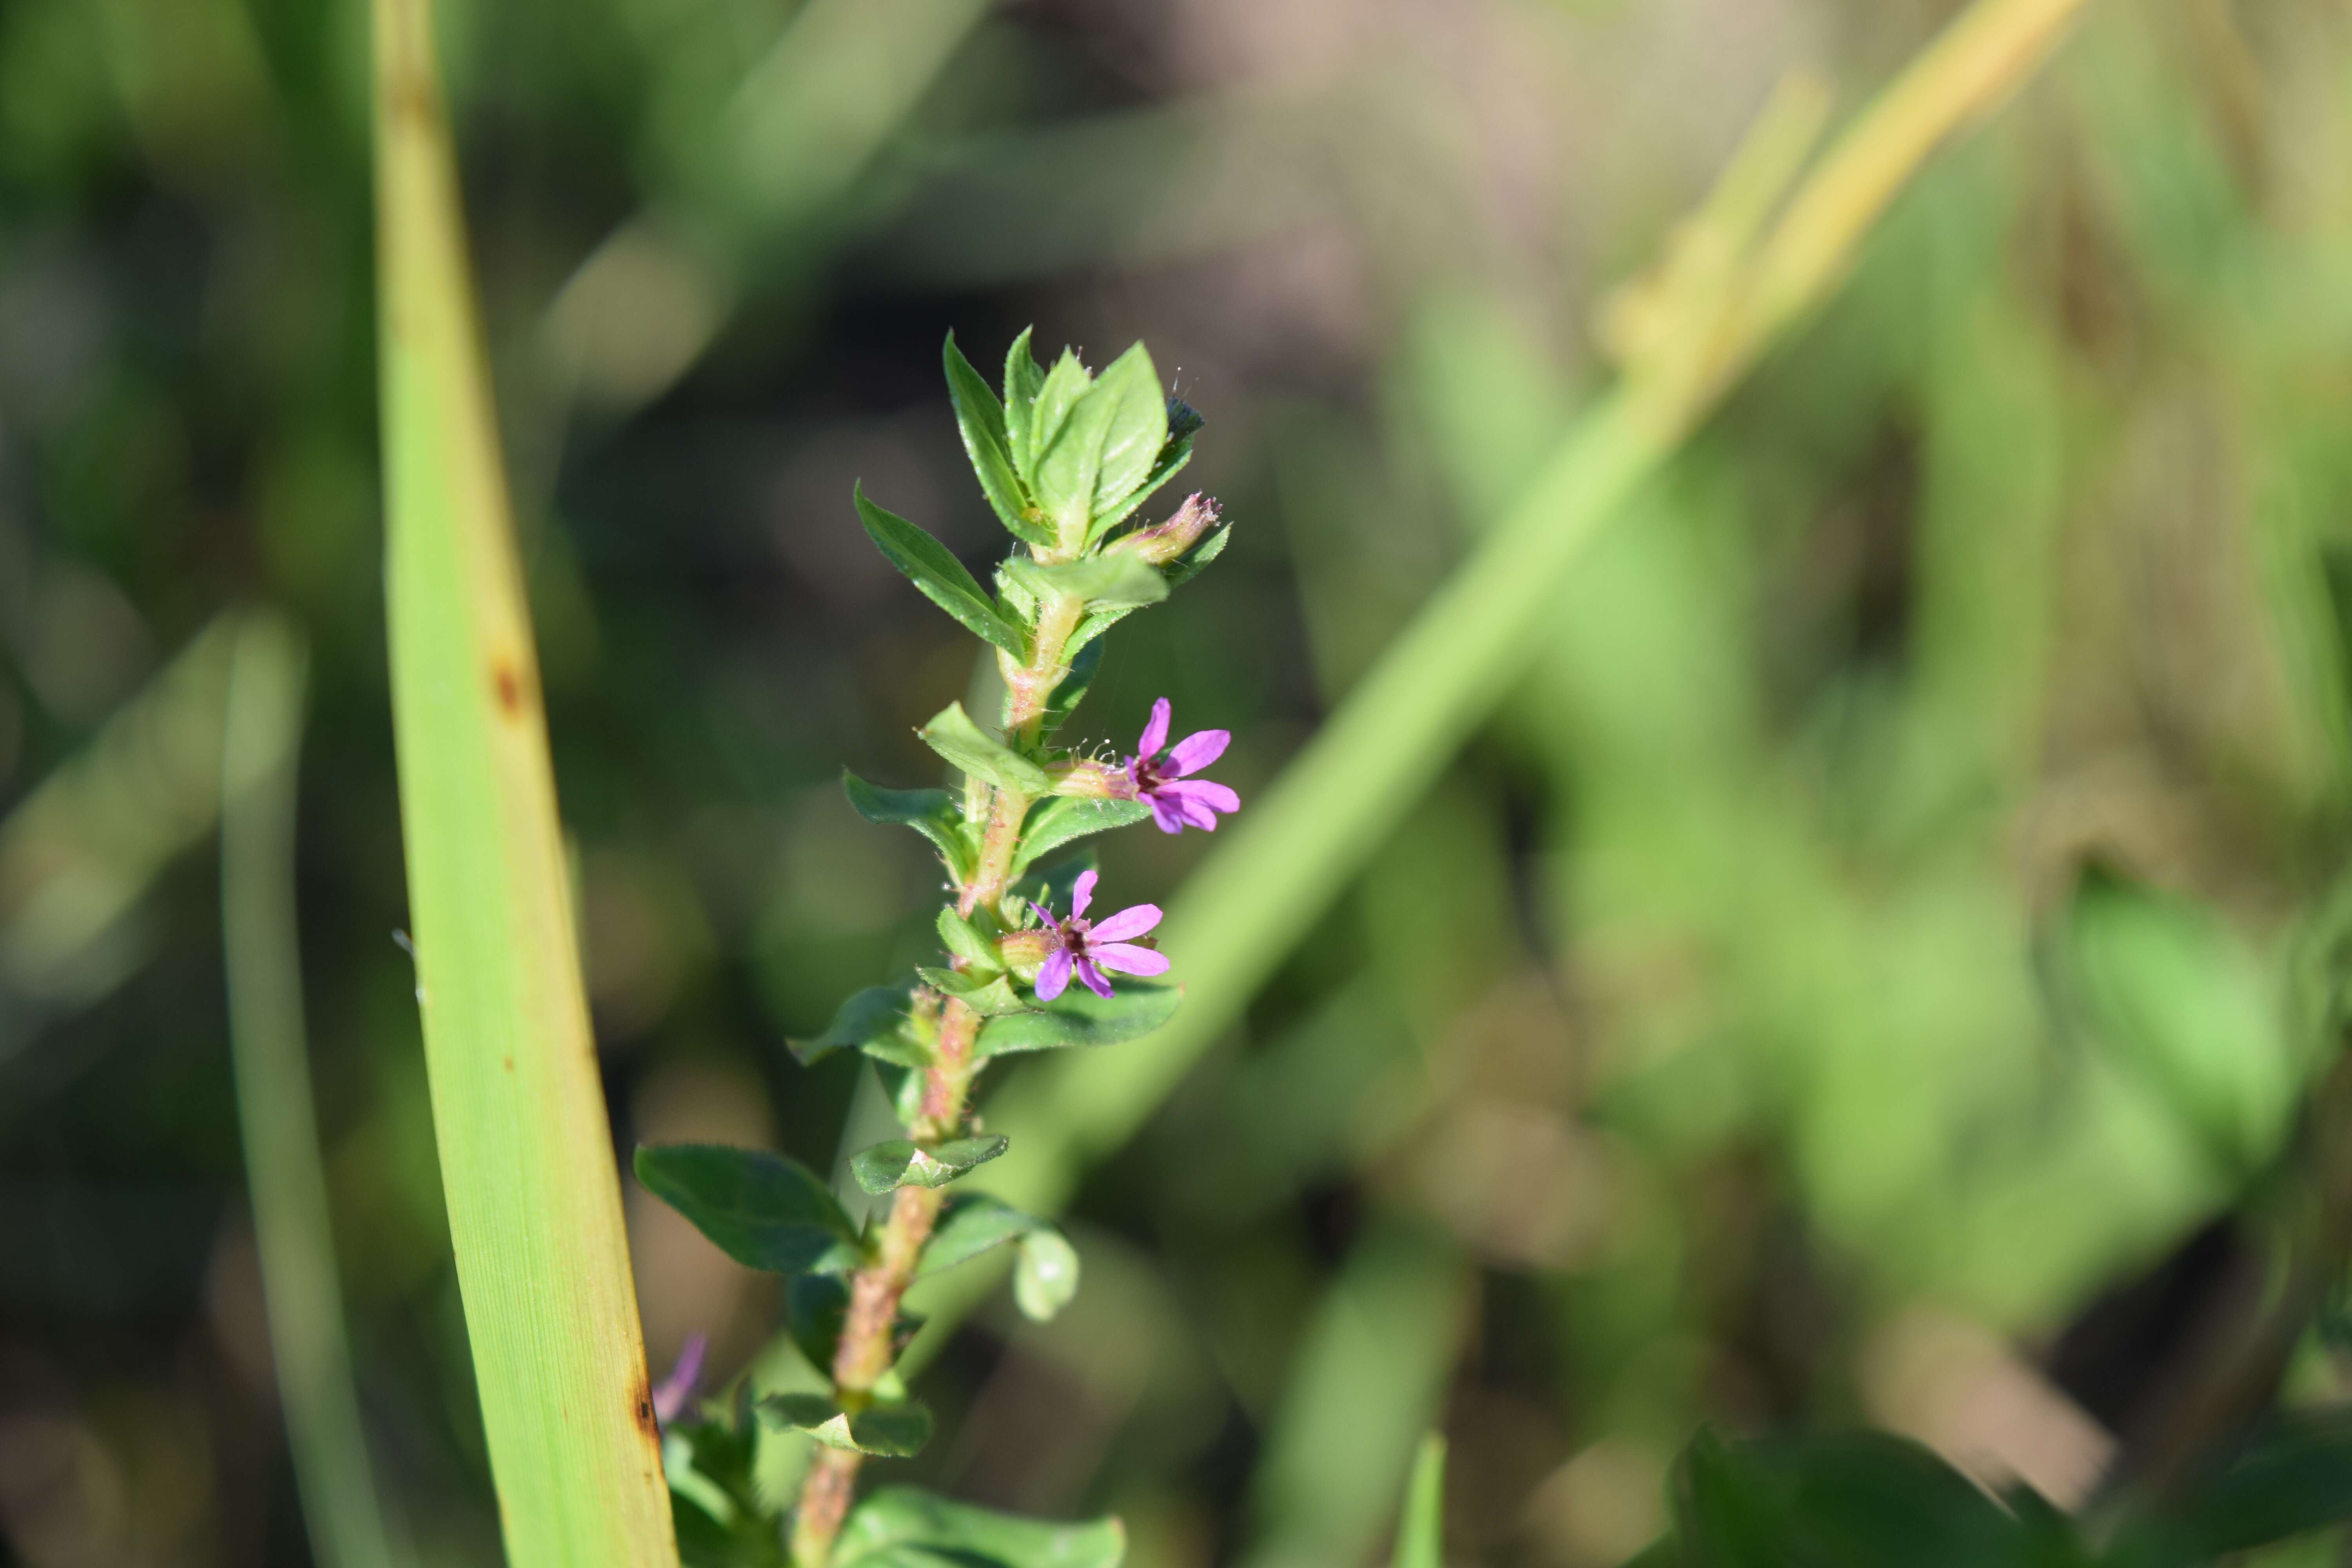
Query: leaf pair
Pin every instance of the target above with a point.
(1083, 450)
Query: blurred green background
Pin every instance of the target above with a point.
(1873, 968)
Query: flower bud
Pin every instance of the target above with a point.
(1166, 541)
(1023, 951)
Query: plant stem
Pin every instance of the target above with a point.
(865, 1350)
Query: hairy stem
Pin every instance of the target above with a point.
(1029, 688)
(867, 1349)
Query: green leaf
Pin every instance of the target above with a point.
(901, 1527)
(886, 1167)
(1103, 580)
(981, 418)
(763, 1210)
(879, 1021)
(961, 938)
(953, 735)
(1063, 386)
(930, 812)
(1184, 570)
(1079, 1017)
(1106, 447)
(886, 1431)
(1063, 818)
(1046, 1277)
(1083, 663)
(2295, 1478)
(971, 1224)
(1173, 459)
(987, 995)
(927, 564)
(1421, 1534)
(1023, 378)
(1051, 886)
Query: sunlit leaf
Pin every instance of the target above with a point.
(898, 1163)
(1063, 818)
(885, 1431)
(927, 563)
(953, 735)
(980, 419)
(930, 812)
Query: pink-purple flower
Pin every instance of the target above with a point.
(671, 1395)
(1158, 773)
(1089, 947)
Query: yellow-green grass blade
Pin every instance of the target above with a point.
(526, 1151)
(285, 1179)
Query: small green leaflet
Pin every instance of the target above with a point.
(1079, 1017)
(963, 939)
(900, 1526)
(927, 563)
(1023, 378)
(1105, 447)
(1106, 580)
(763, 1210)
(987, 995)
(1183, 571)
(1063, 386)
(930, 812)
(1046, 1274)
(1060, 819)
(953, 735)
(879, 1021)
(887, 1431)
(886, 1167)
(980, 419)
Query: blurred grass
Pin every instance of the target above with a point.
(277, 1123)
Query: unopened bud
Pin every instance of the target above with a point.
(1166, 541)
(1023, 951)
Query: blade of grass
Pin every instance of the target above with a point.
(285, 1181)
(526, 1148)
(1421, 1534)
(1295, 848)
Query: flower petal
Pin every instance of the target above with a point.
(1131, 922)
(670, 1396)
(1126, 958)
(1198, 750)
(1055, 977)
(1164, 811)
(1096, 979)
(1155, 733)
(1196, 812)
(1045, 916)
(1208, 791)
(1082, 892)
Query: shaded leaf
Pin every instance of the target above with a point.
(886, 1431)
(904, 1525)
(1051, 885)
(1063, 818)
(953, 735)
(930, 812)
(971, 1224)
(1189, 566)
(927, 563)
(1079, 1017)
(2295, 1478)
(879, 1021)
(899, 1163)
(763, 1210)
(1083, 663)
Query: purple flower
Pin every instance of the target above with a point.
(671, 1396)
(1177, 800)
(1091, 947)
